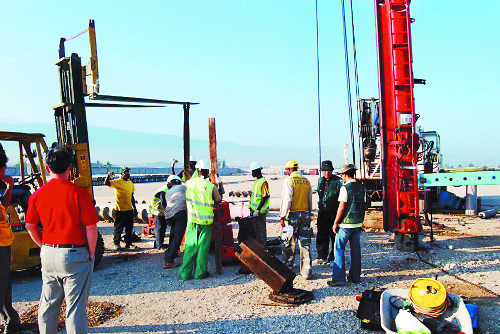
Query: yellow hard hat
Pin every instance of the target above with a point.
(291, 164)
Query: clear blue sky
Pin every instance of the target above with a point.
(252, 66)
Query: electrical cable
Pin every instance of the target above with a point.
(319, 101)
(348, 80)
(455, 276)
(356, 81)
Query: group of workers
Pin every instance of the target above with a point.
(188, 208)
(70, 232)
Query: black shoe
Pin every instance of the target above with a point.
(13, 328)
(337, 283)
(205, 276)
(331, 258)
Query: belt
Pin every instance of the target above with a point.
(65, 246)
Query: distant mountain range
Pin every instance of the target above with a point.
(121, 147)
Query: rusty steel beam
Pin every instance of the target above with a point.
(266, 266)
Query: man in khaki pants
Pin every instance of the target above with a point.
(67, 245)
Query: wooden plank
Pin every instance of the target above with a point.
(213, 178)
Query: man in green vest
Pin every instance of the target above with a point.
(201, 197)
(328, 193)
(347, 227)
(158, 212)
(296, 203)
(259, 203)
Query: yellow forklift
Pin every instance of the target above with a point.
(32, 149)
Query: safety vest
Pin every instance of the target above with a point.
(155, 207)
(200, 201)
(328, 198)
(301, 188)
(6, 235)
(257, 196)
(355, 206)
(195, 175)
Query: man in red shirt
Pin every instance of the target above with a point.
(68, 217)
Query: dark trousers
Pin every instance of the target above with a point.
(160, 229)
(8, 314)
(123, 220)
(177, 228)
(324, 235)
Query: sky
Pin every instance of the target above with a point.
(252, 66)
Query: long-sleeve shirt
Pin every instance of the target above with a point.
(287, 196)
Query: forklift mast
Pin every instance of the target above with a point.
(70, 115)
(398, 135)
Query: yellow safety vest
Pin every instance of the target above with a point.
(200, 201)
(155, 207)
(301, 188)
(257, 196)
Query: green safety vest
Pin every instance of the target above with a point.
(257, 196)
(195, 175)
(200, 201)
(355, 206)
(155, 207)
(328, 200)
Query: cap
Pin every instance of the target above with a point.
(124, 170)
(173, 177)
(291, 164)
(202, 164)
(346, 168)
(326, 165)
(255, 165)
(192, 158)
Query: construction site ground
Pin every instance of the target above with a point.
(132, 293)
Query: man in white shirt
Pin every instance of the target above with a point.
(174, 202)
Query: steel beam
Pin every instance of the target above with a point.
(459, 179)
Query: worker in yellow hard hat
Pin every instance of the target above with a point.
(296, 205)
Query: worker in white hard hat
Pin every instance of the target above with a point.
(192, 169)
(171, 201)
(296, 205)
(259, 203)
(201, 198)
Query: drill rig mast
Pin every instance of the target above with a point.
(398, 135)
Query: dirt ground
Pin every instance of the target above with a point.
(464, 255)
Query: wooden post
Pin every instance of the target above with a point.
(213, 178)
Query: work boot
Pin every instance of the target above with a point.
(320, 262)
(131, 247)
(168, 265)
(13, 328)
(116, 247)
(337, 283)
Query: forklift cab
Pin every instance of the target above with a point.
(25, 253)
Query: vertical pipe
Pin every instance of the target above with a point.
(187, 153)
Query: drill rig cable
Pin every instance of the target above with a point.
(75, 36)
(356, 80)
(317, 67)
(348, 81)
(456, 276)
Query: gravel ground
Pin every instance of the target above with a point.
(155, 300)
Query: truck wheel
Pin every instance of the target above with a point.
(99, 250)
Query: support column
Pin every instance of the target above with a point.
(471, 200)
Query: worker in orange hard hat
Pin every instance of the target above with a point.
(296, 205)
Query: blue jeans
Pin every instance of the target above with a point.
(353, 235)
(160, 229)
(178, 226)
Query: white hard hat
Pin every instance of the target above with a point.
(173, 177)
(202, 164)
(255, 165)
(286, 233)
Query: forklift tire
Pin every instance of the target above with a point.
(99, 250)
